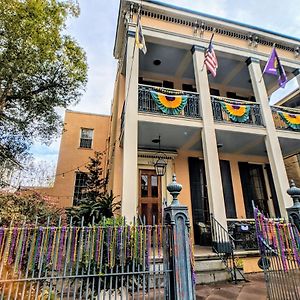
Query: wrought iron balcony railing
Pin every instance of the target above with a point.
(147, 103)
(286, 118)
(236, 111)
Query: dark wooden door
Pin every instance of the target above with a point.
(150, 196)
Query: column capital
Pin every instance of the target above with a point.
(250, 60)
(296, 72)
(130, 33)
(197, 48)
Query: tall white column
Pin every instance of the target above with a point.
(130, 137)
(209, 141)
(272, 143)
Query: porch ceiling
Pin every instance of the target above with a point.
(289, 146)
(185, 138)
(177, 63)
(241, 143)
(172, 137)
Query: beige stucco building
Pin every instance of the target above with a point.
(222, 159)
(83, 134)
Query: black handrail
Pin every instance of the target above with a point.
(223, 243)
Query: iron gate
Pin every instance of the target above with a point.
(279, 244)
(85, 262)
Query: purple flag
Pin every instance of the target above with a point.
(274, 67)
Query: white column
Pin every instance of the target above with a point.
(209, 141)
(130, 138)
(272, 143)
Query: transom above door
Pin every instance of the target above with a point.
(150, 202)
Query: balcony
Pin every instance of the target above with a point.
(148, 104)
(286, 118)
(236, 111)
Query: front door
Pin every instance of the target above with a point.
(149, 196)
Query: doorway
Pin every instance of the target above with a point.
(150, 203)
(254, 188)
(199, 199)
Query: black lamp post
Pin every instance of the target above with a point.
(161, 164)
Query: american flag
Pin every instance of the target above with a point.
(210, 60)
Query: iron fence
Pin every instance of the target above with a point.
(283, 118)
(250, 115)
(146, 103)
(116, 261)
(279, 244)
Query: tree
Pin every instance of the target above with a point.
(17, 207)
(97, 203)
(36, 173)
(41, 69)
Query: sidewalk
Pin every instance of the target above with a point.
(255, 289)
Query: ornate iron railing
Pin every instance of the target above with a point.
(236, 111)
(224, 244)
(286, 118)
(279, 245)
(146, 103)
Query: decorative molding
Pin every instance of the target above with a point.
(155, 154)
(253, 39)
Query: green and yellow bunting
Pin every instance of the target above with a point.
(169, 104)
(291, 120)
(236, 112)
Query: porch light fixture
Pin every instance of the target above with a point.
(161, 164)
(157, 62)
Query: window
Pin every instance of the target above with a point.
(86, 138)
(80, 185)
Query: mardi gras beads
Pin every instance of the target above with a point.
(24, 247)
(12, 245)
(50, 245)
(60, 248)
(295, 251)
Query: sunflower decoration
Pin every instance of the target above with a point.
(236, 112)
(290, 119)
(169, 104)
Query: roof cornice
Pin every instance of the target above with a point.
(204, 22)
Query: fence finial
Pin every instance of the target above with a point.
(174, 188)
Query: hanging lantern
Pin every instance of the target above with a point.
(161, 164)
(160, 167)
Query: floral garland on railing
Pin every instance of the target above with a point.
(282, 238)
(290, 119)
(169, 104)
(237, 112)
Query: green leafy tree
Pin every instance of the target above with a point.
(41, 69)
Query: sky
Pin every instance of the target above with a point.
(95, 30)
